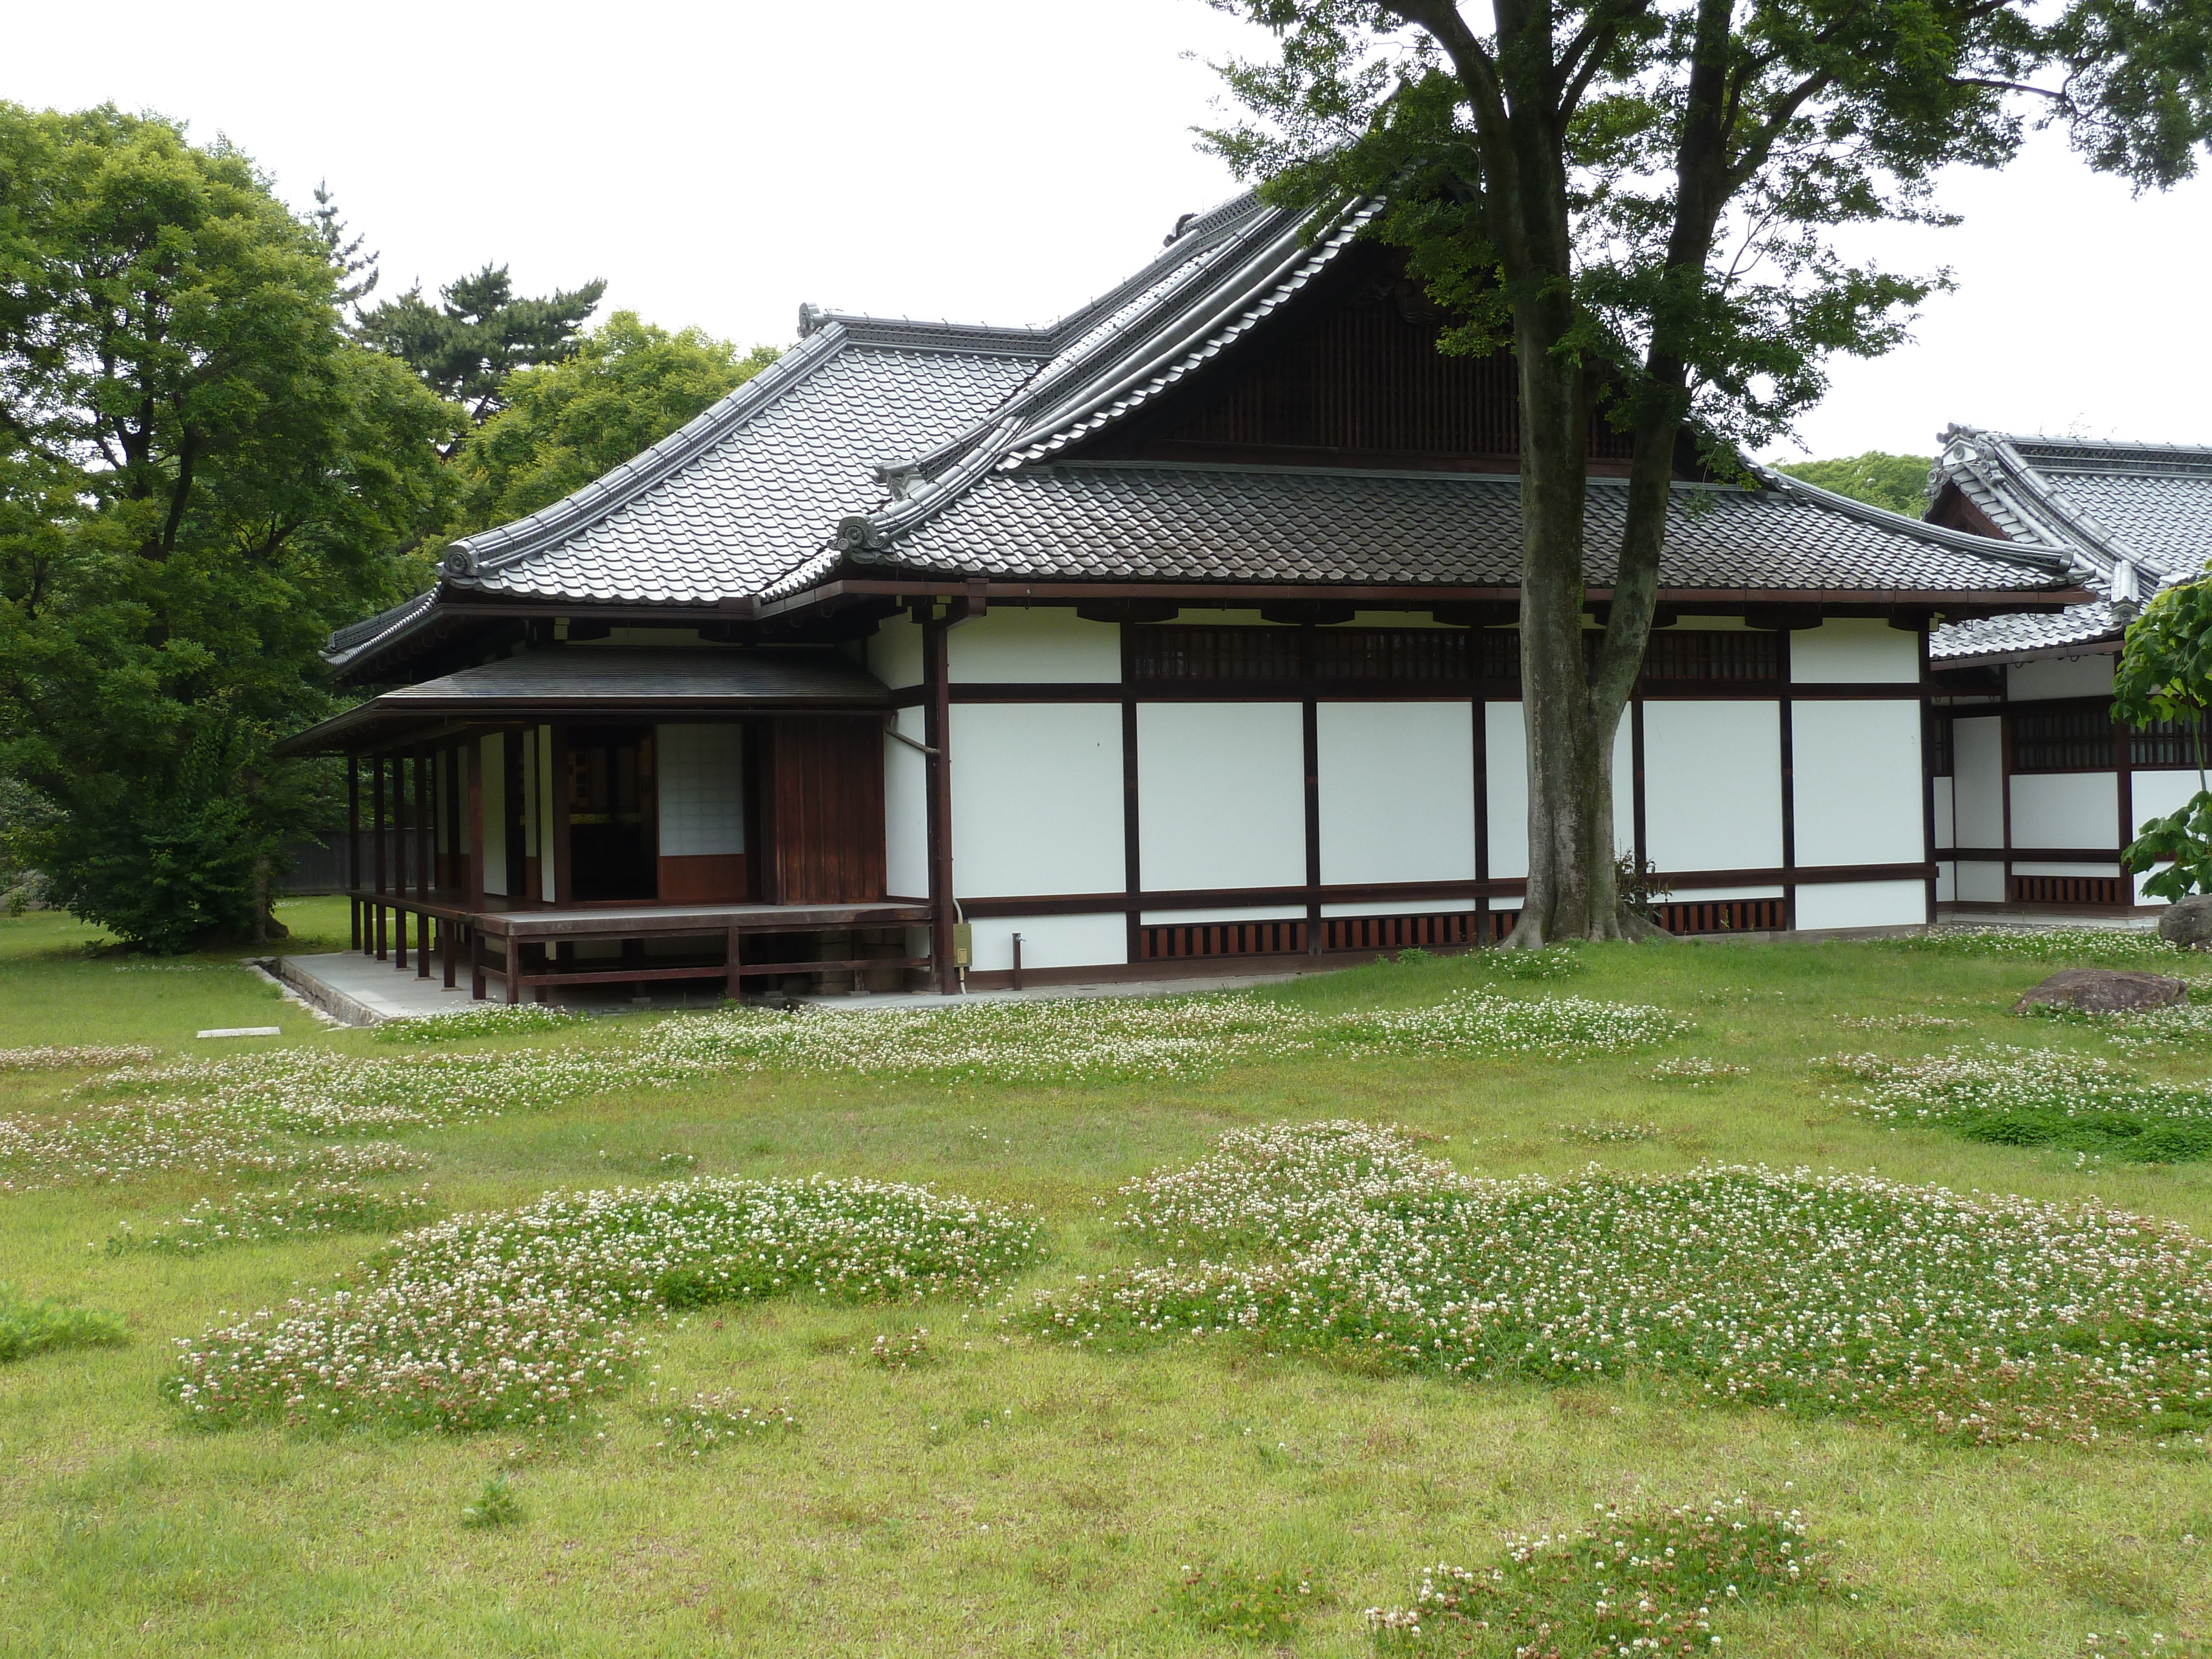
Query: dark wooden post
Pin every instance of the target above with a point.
(937, 716)
(557, 847)
(353, 844)
(731, 986)
(400, 805)
(426, 856)
(377, 762)
(472, 769)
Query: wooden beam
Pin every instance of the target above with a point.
(353, 842)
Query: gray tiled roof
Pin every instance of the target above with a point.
(1993, 638)
(2107, 505)
(1158, 521)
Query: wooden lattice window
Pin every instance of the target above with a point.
(2165, 744)
(1449, 929)
(1173, 941)
(1391, 653)
(2062, 740)
(2102, 890)
(1214, 653)
(1701, 654)
(1738, 915)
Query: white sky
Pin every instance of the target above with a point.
(993, 160)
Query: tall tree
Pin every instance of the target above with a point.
(1638, 198)
(464, 347)
(200, 473)
(628, 386)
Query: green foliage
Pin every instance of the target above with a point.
(28, 1327)
(464, 347)
(2097, 947)
(485, 1020)
(2182, 840)
(200, 474)
(494, 1505)
(2165, 673)
(627, 386)
(1247, 1606)
(1898, 482)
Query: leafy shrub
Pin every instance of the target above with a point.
(522, 1318)
(1236, 1601)
(28, 1328)
(1652, 1583)
(302, 1210)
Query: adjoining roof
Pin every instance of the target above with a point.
(615, 681)
(2133, 517)
(1158, 521)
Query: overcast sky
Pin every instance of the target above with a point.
(990, 160)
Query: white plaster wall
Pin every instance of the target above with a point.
(1401, 907)
(1978, 784)
(1854, 649)
(549, 878)
(1947, 882)
(1053, 941)
(2060, 676)
(2160, 794)
(492, 757)
(1858, 781)
(1943, 823)
(2065, 809)
(906, 813)
(1217, 913)
(701, 790)
(1221, 794)
(894, 650)
(1505, 766)
(1981, 883)
(1036, 799)
(1686, 895)
(2028, 867)
(1863, 904)
(1397, 791)
(1038, 646)
(1713, 785)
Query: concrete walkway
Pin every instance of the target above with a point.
(359, 990)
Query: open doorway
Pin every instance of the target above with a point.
(613, 839)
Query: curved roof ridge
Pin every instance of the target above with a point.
(2050, 560)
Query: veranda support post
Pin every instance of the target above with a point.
(426, 855)
(377, 779)
(399, 824)
(353, 846)
(472, 767)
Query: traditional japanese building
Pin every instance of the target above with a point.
(1178, 634)
(2037, 788)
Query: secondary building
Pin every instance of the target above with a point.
(1178, 635)
(2038, 787)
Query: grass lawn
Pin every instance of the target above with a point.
(1005, 1492)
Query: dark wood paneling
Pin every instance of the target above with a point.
(703, 878)
(826, 810)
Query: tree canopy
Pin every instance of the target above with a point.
(627, 386)
(464, 347)
(1640, 197)
(201, 473)
(1898, 482)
